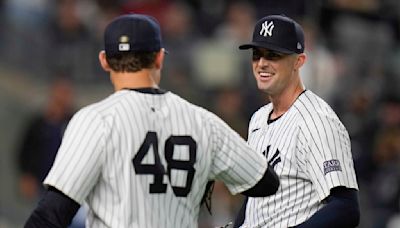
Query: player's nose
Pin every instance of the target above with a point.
(262, 62)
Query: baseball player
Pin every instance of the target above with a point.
(301, 137)
(142, 157)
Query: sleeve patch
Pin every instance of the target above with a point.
(331, 165)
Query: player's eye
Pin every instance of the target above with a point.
(268, 55)
(273, 55)
(256, 55)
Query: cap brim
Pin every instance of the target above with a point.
(268, 46)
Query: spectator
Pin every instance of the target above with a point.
(41, 140)
(71, 46)
(180, 36)
(42, 137)
(385, 188)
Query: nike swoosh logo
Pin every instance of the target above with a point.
(255, 129)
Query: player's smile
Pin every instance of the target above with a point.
(265, 76)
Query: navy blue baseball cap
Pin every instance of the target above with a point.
(277, 33)
(131, 33)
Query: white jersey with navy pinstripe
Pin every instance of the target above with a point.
(309, 149)
(143, 160)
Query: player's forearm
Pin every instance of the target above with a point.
(54, 210)
(342, 210)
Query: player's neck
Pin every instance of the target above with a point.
(283, 101)
(140, 79)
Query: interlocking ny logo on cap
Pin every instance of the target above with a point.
(266, 28)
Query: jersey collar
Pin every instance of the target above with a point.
(148, 90)
(269, 121)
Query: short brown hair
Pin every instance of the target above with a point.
(132, 61)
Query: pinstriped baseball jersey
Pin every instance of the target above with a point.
(142, 159)
(309, 149)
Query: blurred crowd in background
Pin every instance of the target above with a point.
(49, 69)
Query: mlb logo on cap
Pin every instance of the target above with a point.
(278, 33)
(124, 47)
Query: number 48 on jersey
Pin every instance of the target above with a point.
(158, 170)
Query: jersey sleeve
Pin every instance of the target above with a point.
(234, 162)
(329, 161)
(80, 157)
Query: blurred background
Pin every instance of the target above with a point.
(49, 69)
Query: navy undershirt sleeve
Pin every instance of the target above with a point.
(54, 210)
(266, 186)
(341, 210)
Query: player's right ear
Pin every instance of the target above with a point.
(103, 61)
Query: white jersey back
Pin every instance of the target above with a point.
(309, 149)
(143, 160)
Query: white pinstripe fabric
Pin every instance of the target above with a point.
(94, 162)
(306, 136)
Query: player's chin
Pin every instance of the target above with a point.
(263, 87)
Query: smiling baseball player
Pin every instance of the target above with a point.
(301, 136)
